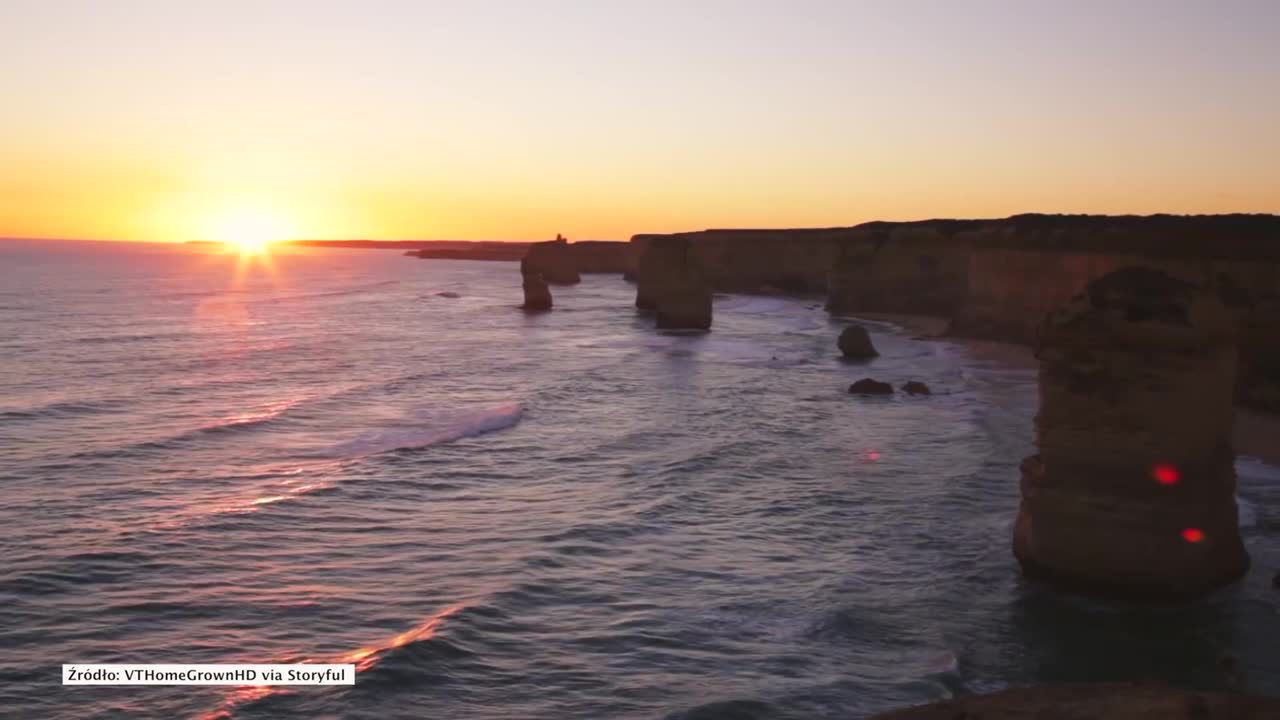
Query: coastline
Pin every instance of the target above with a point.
(1254, 432)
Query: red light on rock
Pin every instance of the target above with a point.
(1193, 535)
(1166, 474)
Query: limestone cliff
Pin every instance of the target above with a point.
(1022, 267)
(913, 267)
(998, 278)
(793, 261)
(600, 256)
(1133, 490)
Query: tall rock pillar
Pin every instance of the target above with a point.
(672, 283)
(1133, 491)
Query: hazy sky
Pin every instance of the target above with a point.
(517, 120)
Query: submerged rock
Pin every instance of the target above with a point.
(1098, 701)
(448, 294)
(867, 386)
(537, 296)
(915, 387)
(855, 343)
(1133, 491)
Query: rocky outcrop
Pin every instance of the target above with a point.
(915, 387)
(867, 386)
(537, 296)
(553, 261)
(1100, 701)
(1132, 491)
(855, 343)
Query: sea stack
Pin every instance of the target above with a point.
(537, 296)
(658, 259)
(673, 284)
(553, 261)
(1132, 494)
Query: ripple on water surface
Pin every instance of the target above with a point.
(497, 515)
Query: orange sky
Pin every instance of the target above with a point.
(401, 120)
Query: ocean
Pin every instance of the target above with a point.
(354, 456)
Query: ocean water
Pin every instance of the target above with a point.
(500, 515)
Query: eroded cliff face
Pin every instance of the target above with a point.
(998, 278)
(1132, 492)
(600, 256)
(790, 261)
(916, 267)
(1021, 268)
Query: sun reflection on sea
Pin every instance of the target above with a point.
(364, 658)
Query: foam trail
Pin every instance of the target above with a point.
(446, 428)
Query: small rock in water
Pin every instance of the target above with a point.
(915, 387)
(448, 294)
(855, 343)
(867, 386)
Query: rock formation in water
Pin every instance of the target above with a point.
(684, 300)
(1101, 701)
(673, 284)
(553, 261)
(537, 296)
(867, 386)
(1132, 492)
(915, 387)
(855, 343)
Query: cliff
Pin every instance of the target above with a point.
(910, 267)
(600, 256)
(1022, 267)
(793, 261)
(998, 278)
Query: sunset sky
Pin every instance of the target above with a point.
(600, 119)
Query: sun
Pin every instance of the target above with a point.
(250, 231)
